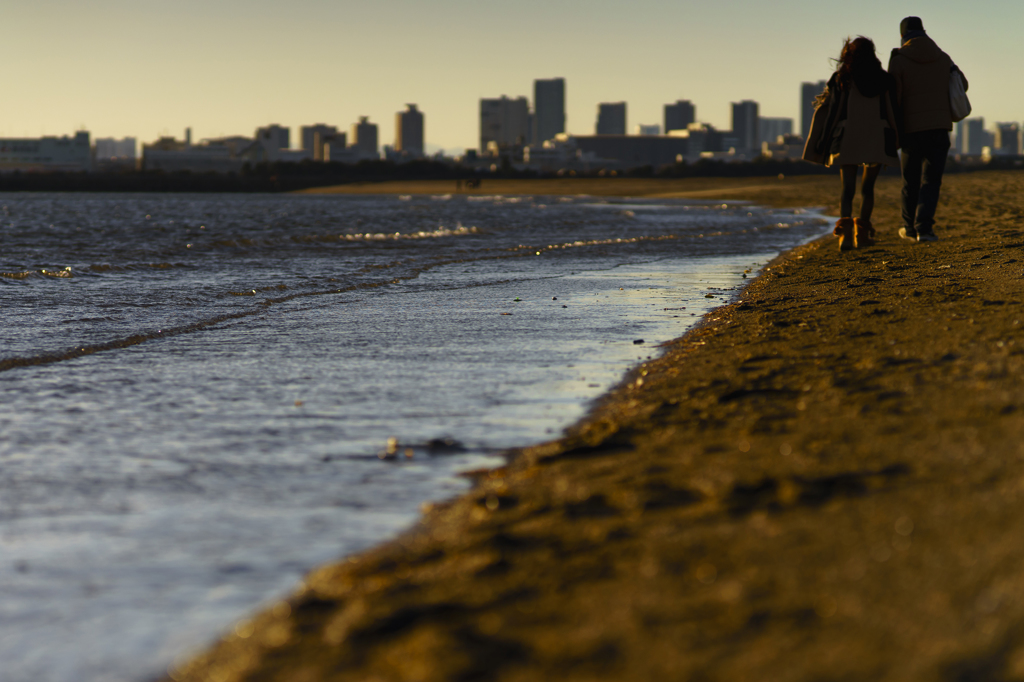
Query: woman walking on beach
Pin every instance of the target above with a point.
(854, 126)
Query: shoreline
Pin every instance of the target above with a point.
(783, 193)
(820, 478)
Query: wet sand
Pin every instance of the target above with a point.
(825, 481)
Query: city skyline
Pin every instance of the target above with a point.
(224, 68)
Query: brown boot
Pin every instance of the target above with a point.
(844, 230)
(865, 232)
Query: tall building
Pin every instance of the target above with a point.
(364, 137)
(611, 118)
(548, 109)
(1007, 140)
(972, 138)
(745, 127)
(314, 138)
(504, 122)
(409, 131)
(770, 129)
(808, 91)
(679, 115)
(272, 136)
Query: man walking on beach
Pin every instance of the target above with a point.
(922, 73)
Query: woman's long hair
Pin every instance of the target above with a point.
(858, 63)
(857, 59)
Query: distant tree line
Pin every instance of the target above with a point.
(286, 177)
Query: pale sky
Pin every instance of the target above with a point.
(146, 68)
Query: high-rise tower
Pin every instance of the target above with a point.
(611, 118)
(745, 126)
(504, 121)
(314, 138)
(364, 137)
(409, 131)
(808, 91)
(549, 109)
(679, 115)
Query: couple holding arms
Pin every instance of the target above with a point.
(866, 114)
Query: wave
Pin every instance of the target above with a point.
(25, 274)
(499, 199)
(457, 231)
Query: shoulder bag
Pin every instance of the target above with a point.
(959, 105)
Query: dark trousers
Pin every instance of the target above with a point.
(924, 156)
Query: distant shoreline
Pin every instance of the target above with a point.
(211, 183)
(387, 178)
(326, 178)
(785, 192)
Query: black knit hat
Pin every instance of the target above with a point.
(910, 24)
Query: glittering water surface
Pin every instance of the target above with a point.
(220, 373)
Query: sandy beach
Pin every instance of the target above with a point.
(821, 482)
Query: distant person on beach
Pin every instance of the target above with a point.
(922, 72)
(854, 126)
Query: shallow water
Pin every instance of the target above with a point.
(195, 389)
